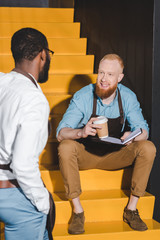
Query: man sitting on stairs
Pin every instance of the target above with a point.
(78, 151)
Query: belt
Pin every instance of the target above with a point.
(5, 167)
(9, 183)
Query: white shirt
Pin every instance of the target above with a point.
(24, 113)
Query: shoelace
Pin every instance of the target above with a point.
(135, 214)
(77, 216)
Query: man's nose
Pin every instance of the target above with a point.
(104, 78)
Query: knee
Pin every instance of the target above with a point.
(66, 150)
(68, 154)
(147, 149)
(66, 146)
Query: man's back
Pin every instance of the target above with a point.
(24, 113)
(17, 93)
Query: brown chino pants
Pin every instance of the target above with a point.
(73, 157)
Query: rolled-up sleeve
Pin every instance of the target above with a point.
(73, 115)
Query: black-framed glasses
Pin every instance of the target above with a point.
(50, 52)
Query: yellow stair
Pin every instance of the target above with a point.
(67, 83)
(50, 29)
(61, 46)
(105, 193)
(59, 64)
(22, 15)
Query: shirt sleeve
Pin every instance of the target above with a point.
(73, 115)
(31, 138)
(134, 114)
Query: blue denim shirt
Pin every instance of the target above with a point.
(81, 106)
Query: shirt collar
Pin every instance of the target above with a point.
(35, 81)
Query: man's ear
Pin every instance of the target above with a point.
(43, 56)
(120, 77)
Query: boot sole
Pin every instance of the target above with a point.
(75, 233)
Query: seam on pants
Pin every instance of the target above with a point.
(42, 228)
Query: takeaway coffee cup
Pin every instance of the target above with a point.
(103, 122)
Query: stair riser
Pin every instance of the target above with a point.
(93, 179)
(67, 83)
(55, 30)
(49, 154)
(104, 209)
(35, 14)
(107, 228)
(72, 64)
(1, 226)
(2, 231)
(54, 124)
(60, 46)
(2, 236)
(59, 64)
(58, 103)
(130, 235)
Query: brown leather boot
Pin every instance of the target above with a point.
(133, 219)
(76, 225)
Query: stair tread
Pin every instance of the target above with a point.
(92, 179)
(104, 227)
(24, 14)
(76, 64)
(98, 195)
(67, 83)
(60, 46)
(60, 29)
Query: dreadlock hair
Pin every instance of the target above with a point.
(26, 43)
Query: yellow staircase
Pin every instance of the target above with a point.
(105, 193)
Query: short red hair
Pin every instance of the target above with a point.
(113, 57)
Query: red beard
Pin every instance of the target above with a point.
(102, 93)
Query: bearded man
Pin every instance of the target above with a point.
(24, 112)
(79, 150)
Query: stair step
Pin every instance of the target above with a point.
(59, 64)
(98, 195)
(54, 120)
(72, 64)
(2, 237)
(60, 46)
(49, 156)
(111, 230)
(67, 83)
(69, 46)
(100, 206)
(93, 179)
(2, 231)
(20, 14)
(1, 227)
(58, 103)
(56, 30)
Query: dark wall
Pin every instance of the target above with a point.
(123, 27)
(132, 30)
(61, 3)
(38, 3)
(155, 134)
(24, 3)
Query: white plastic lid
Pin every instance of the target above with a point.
(101, 120)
